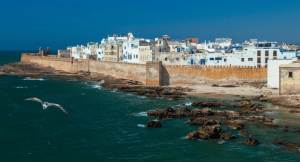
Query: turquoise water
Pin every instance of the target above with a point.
(104, 125)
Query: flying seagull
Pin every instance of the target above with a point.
(46, 104)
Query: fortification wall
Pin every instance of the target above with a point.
(154, 73)
(197, 75)
(135, 72)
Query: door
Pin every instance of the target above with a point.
(192, 62)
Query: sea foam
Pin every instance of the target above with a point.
(28, 78)
(141, 125)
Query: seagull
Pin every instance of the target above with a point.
(46, 104)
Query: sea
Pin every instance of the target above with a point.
(105, 125)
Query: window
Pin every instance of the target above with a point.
(183, 59)
(266, 60)
(124, 47)
(211, 58)
(258, 53)
(177, 59)
(137, 56)
(284, 58)
(242, 59)
(132, 45)
(267, 53)
(133, 56)
(290, 74)
(166, 59)
(225, 60)
(250, 59)
(258, 60)
(153, 57)
(274, 53)
(218, 58)
(99, 52)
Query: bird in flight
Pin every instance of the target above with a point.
(46, 104)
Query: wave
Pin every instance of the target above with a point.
(28, 78)
(141, 114)
(141, 125)
(97, 86)
(188, 103)
(22, 87)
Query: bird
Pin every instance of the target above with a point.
(46, 104)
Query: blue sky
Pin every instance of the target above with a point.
(31, 24)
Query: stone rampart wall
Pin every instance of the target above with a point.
(154, 73)
(197, 75)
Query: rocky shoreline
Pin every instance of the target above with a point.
(208, 128)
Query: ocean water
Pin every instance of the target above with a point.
(104, 125)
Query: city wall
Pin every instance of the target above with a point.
(154, 73)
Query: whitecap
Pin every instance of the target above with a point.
(22, 87)
(140, 114)
(184, 137)
(97, 86)
(155, 120)
(142, 97)
(141, 125)
(221, 142)
(28, 78)
(188, 103)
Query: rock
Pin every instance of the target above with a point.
(209, 132)
(227, 114)
(248, 108)
(294, 111)
(286, 126)
(175, 97)
(193, 135)
(203, 121)
(252, 141)
(154, 124)
(154, 95)
(235, 124)
(224, 135)
(221, 141)
(244, 133)
(140, 92)
(285, 130)
(166, 113)
(209, 104)
(292, 147)
(181, 112)
(263, 120)
(215, 85)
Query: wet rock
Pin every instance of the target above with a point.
(292, 147)
(286, 126)
(252, 141)
(154, 124)
(175, 98)
(248, 108)
(224, 135)
(209, 132)
(285, 130)
(228, 114)
(294, 111)
(263, 120)
(209, 104)
(244, 133)
(140, 92)
(181, 112)
(193, 135)
(235, 124)
(221, 141)
(203, 121)
(154, 95)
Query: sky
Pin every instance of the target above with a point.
(30, 24)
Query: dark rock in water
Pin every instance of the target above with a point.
(175, 97)
(263, 120)
(244, 133)
(248, 108)
(221, 141)
(228, 114)
(294, 111)
(154, 95)
(203, 121)
(252, 141)
(209, 132)
(209, 104)
(285, 130)
(206, 133)
(140, 92)
(224, 135)
(292, 147)
(154, 124)
(235, 124)
(181, 112)
(286, 126)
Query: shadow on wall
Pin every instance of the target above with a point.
(165, 76)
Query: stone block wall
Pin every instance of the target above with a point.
(289, 85)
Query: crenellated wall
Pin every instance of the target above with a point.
(154, 73)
